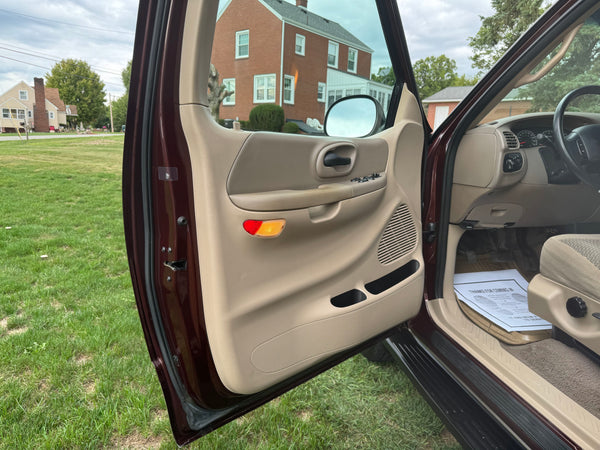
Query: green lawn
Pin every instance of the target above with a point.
(74, 370)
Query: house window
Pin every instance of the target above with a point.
(333, 95)
(288, 89)
(300, 41)
(230, 86)
(5, 113)
(242, 44)
(352, 59)
(322, 92)
(21, 114)
(13, 113)
(264, 88)
(23, 95)
(51, 114)
(332, 54)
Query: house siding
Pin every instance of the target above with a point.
(431, 110)
(10, 99)
(503, 109)
(308, 71)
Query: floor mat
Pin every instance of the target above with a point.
(564, 367)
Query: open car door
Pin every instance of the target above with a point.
(257, 264)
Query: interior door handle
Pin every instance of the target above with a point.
(332, 159)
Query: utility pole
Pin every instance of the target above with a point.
(112, 127)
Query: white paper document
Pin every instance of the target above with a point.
(500, 296)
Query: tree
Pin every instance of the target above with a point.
(120, 105)
(500, 30)
(217, 92)
(78, 85)
(120, 111)
(433, 74)
(579, 67)
(384, 75)
(126, 77)
(464, 80)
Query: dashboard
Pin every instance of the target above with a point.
(507, 173)
(537, 131)
(533, 137)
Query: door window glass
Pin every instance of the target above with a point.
(303, 58)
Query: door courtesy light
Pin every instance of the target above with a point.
(266, 228)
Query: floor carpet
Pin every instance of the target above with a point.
(569, 370)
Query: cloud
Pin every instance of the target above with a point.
(442, 27)
(432, 28)
(37, 33)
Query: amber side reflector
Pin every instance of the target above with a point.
(264, 228)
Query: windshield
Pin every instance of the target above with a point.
(579, 67)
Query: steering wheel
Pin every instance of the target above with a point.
(580, 150)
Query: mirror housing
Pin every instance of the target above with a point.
(354, 116)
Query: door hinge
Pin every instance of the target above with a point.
(430, 232)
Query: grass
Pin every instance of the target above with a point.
(38, 133)
(74, 370)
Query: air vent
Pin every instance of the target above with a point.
(511, 140)
(399, 237)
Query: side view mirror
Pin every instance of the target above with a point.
(354, 116)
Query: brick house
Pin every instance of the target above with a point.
(442, 103)
(272, 51)
(18, 106)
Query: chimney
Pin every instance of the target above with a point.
(302, 3)
(40, 116)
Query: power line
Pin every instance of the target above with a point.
(29, 50)
(66, 23)
(46, 68)
(53, 59)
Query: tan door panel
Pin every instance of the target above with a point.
(348, 264)
(276, 161)
(275, 172)
(324, 194)
(268, 301)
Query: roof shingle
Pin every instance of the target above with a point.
(53, 97)
(305, 19)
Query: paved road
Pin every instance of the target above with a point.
(56, 136)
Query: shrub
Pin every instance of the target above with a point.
(245, 125)
(290, 127)
(267, 117)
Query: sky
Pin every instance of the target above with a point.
(38, 33)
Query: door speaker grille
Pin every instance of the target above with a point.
(399, 237)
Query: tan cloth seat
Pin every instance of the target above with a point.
(570, 267)
(574, 261)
